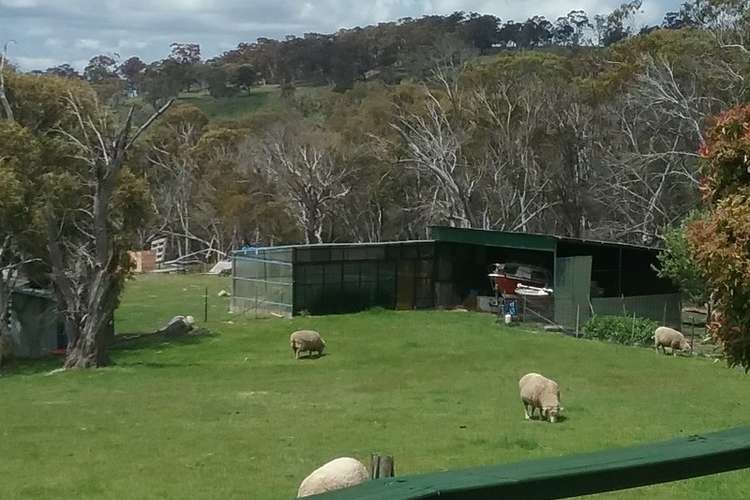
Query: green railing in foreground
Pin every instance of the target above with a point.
(563, 477)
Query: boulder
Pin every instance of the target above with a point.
(178, 326)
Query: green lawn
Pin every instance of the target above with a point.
(233, 415)
(242, 106)
(237, 107)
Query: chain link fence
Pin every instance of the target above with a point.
(262, 286)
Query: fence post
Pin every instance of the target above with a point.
(578, 317)
(381, 466)
(664, 316)
(692, 332)
(205, 306)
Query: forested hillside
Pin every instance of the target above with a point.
(584, 126)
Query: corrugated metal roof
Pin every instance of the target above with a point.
(531, 241)
(512, 239)
(331, 245)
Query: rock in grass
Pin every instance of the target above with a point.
(178, 326)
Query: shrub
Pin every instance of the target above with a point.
(720, 242)
(677, 264)
(620, 329)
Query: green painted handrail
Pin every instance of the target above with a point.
(563, 477)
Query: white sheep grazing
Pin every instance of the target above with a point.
(540, 392)
(306, 341)
(335, 475)
(667, 337)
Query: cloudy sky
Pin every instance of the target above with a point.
(49, 32)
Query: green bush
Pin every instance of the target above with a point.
(620, 329)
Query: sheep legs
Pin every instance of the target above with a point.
(526, 411)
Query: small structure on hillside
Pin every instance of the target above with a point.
(143, 261)
(36, 327)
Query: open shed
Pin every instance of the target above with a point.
(589, 276)
(451, 269)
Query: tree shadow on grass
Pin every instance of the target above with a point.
(144, 341)
(152, 364)
(124, 343)
(27, 367)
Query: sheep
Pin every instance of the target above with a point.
(306, 340)
(335, 475)
(667, 337)
(540, 392)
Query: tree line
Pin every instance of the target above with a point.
(389, 52)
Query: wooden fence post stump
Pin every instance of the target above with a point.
(381, 466)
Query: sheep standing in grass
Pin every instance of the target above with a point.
(540, 392)
(667, 337)
(335, 475)
(306, 341)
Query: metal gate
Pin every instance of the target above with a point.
(572, 291)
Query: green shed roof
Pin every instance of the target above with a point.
(494, 238)
(512, 239)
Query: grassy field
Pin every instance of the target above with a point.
(260, 99)
(233, 415)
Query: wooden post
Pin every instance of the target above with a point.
(692, 332)
(578, 318)
(381, 466)
(205, 306)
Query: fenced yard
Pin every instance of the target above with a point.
(232, 415)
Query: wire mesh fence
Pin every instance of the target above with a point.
(664, 309)
(262, 286)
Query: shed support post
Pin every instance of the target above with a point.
(619, 272)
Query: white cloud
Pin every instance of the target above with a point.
(132, 44)
(88, 43)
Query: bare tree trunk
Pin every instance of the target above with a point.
(7, 271)
(7, 279)
(3, 98)
(86, 267)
